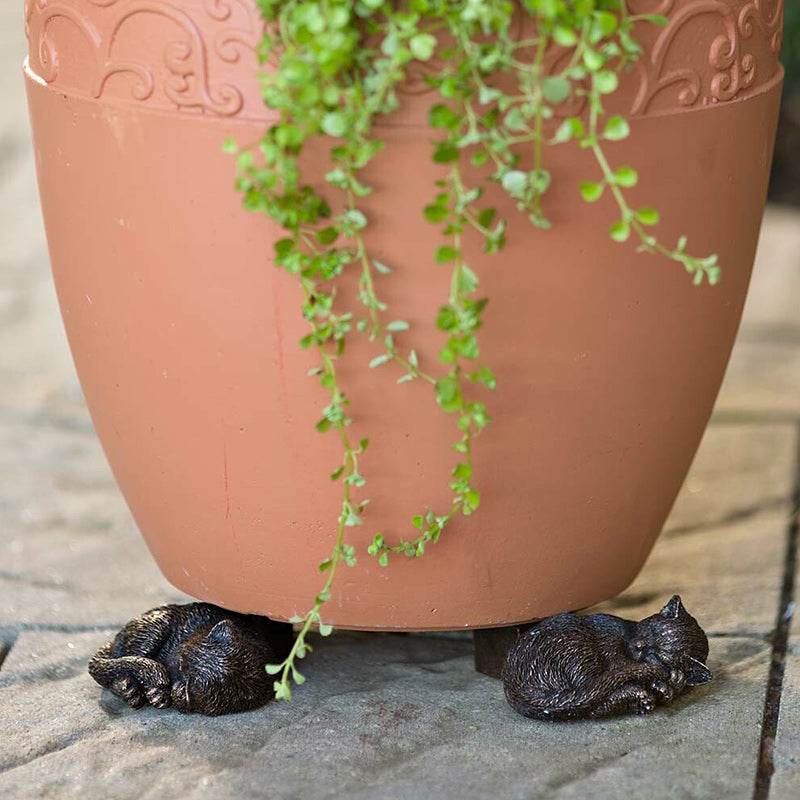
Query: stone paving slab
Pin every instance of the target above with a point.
(33, 692)
(728, 577)
(723, 545)
(382, 716)
(786, 780)
(772, 299)
(739, 472)
(763, 377)
(69, 552)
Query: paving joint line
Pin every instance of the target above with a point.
(772, 701)
(753, 417)
(731, 518)
(14, 629)
(5, 648)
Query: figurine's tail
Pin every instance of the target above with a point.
(553, 706)
(531, 699)
(100, 666)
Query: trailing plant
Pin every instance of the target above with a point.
(334, 70)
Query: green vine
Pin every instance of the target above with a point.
(504, 72)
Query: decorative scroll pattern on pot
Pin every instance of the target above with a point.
(743, 45)
(185, 55)
(191, 55)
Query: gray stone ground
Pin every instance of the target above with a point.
(384, 716)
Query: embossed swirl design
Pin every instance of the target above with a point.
(199, 41)
(743, 39)
(198, 50)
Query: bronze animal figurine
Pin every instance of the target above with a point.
(195, 658)
(569, 667)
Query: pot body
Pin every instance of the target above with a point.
(185, 336)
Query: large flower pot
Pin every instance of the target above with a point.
(185, 336)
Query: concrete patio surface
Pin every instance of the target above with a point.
(383, 716)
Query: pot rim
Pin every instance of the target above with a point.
(31, 75)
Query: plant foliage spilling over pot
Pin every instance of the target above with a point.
(337, 67)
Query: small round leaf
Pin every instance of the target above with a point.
(648, 216)
(556, 89)
(515, 182)
(422, 46)
(334, 123)
(591, 192)
(620, 231)
(617, 128)
(606, 81)
(626, 177)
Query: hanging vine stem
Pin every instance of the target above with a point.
(335, 418)
(430, 524)
(373, 325)
(345, 177)
(625, 177)
(261, 191)
(460, 319)
(339, 62)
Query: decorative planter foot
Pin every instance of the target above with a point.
(196, 658)
(492, 646)
(572, 666)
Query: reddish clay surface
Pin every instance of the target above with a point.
(185, 340)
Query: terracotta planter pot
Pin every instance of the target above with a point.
(185, 337)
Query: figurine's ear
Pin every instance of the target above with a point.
(222, 632)
(673, 609)
(698, 673)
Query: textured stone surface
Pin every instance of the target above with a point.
(384, 716)
(772, 300)
(786, 781)
(723, 545)
(66, 532)
(763, 377)
(740, 473)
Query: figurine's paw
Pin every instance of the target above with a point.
(155, 682)
(151, 673)
(663, 691)
(645, 702)
(677, 680)
(129, 690)
(158, 696)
